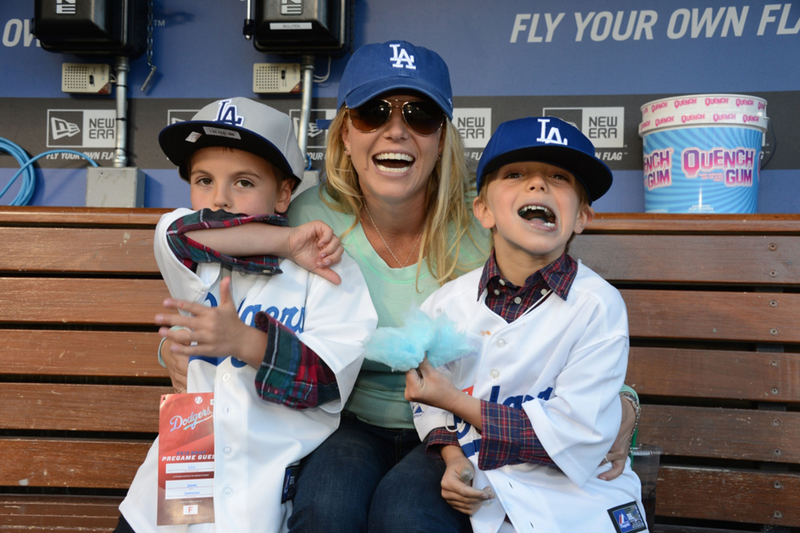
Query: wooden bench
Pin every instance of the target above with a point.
(713, 303)
(79, 380)
(714, 311)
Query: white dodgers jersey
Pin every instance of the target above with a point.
(254, 440)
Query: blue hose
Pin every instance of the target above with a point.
(28, 186)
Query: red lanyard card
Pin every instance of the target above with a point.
(186, 459)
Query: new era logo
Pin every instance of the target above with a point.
(60, 128)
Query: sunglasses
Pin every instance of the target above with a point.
(425, 118)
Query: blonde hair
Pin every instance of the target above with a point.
(447, 220)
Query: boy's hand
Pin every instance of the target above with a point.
(429, 386)
(215, 331)
(316, 248)
(457, 487)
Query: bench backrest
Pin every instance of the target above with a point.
(713, 304)
(714, 310)
(80, 380)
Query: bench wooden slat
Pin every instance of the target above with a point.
(758, 376)
(653, 223)
(66, 513)
(52, 406)
(68, 250)
(82, 463)
(729, 495)
(713, 315)
(725, 259)
(723, 433)
(663, 528)
(80, 353)
(81, 301)
(80, 216)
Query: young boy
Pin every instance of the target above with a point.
(278, 385)
(539, 407)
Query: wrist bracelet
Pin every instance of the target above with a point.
(637, 409)
(161, 359)
(160, 344)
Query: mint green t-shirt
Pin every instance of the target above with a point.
(377, 398)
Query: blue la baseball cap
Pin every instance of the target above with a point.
(549, 140)
(375, 69)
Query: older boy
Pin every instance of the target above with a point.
(538, 408)
(278, 385)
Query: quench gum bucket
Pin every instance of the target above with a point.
(702, 153)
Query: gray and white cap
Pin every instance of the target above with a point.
(236, 123)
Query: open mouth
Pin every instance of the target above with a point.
(540, 213)
(393, 162)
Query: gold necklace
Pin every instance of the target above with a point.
(402, 265)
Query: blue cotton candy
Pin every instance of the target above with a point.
(449, 343)
(404, 348)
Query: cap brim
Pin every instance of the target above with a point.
(368, 91)
(593, 174)
(174, 143)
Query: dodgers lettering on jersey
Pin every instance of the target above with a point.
(515, 402)
(291, 317)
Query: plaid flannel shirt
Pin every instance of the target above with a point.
(291, 374)
(191, 252)
(507, 436)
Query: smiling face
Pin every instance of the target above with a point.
(393, 163)
(532, 209)
(236, 181)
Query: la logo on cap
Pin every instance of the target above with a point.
(228, 114)
(551, 137)
(401, 57)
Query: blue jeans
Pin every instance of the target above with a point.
(367, 478)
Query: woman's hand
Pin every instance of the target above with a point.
(619, 451)
(177, 365)
(457, 482)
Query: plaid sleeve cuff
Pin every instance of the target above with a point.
(292, 374)
(508, 438)
(191, 252)
(438, 438)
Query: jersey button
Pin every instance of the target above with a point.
(227, 450)
(501, 342)
(226, 377)
(494, 373)
(228, 491)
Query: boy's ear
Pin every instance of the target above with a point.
(483, 213)
(284, 195)
(585, 217)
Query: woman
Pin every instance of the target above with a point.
(396, 193)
